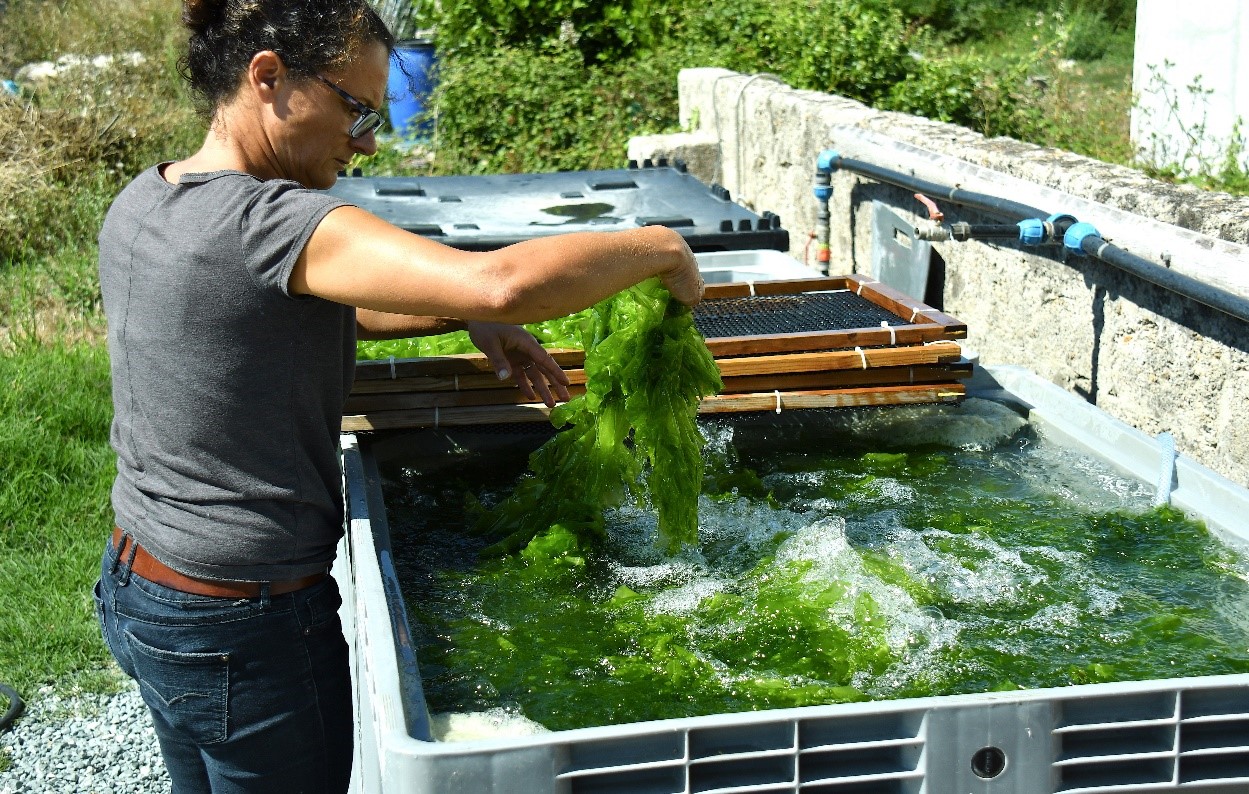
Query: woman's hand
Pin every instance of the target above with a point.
(513, 351)
(684, 282)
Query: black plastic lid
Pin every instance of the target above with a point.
(481, 213)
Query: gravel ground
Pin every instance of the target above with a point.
(86, 744)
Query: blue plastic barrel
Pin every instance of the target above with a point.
(412, 79)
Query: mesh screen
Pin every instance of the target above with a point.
(787, 314)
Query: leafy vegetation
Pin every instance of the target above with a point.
(635, 428)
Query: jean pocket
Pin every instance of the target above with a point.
(102, 616)
(190, 691)
(322, 602)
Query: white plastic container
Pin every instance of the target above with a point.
(723, 267)
(1177, 735)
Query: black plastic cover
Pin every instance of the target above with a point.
(482, 213)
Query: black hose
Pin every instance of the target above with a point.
(980, 201)
(15, 706)
(1178, 283)
(1222, 300)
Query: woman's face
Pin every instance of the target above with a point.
(315, 144)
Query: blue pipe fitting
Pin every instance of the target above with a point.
(1032, 231)
(823, 175)
(1076, 235)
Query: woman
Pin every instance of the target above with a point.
(234, 294)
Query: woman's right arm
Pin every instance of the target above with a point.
(358, 259)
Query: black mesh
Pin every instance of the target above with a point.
(788, 314)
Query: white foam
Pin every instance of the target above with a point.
(684, 599)
(972, 424)
(497, 723)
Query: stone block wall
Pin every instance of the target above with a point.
(1158, 361)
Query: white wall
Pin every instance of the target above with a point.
(1191, 79)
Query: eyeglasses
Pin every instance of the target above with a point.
(368, 120)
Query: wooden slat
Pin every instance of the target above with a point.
(789, 286)
(833, 398)
(441, 383)
(723, 403)
(465, 364)
(922, 324)
(937, 352)
(875, 358)
(877, 376)
(904, 305)
(825, 340)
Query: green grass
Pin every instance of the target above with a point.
(56, 468)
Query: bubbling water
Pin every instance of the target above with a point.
(842, 556)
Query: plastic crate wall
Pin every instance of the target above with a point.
(1180, 735)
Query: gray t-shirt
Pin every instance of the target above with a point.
(227, 389)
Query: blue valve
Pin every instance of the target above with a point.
(1076, 235)
(827, 160)
(1031, 231)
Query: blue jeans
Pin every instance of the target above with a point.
(247, 695)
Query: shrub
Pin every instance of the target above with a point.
(547, 110)
(601, 31)
(963, 89)
(849, 47)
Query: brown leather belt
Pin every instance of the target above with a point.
(152, 569)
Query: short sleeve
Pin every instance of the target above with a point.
(276, 226)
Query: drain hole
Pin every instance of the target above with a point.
(988, 762)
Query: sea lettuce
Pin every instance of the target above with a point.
(634, 431)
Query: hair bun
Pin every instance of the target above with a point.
(200, 14)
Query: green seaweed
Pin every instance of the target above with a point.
(633, 431)
(975, 579)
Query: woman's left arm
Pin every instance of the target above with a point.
(512, 351)
(372, 324)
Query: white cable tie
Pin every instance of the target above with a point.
(392, 367)
(751, 284)
(457, 381)
(893, 335)
(863, 284)
(914, 314)
(862, 356)
(778, 400)
(435, 417)
(911, 371)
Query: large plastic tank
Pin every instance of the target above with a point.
(1160, 735)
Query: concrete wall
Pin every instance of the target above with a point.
(1155, 360)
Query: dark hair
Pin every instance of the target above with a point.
(310, 36)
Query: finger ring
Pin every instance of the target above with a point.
(527, 366)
